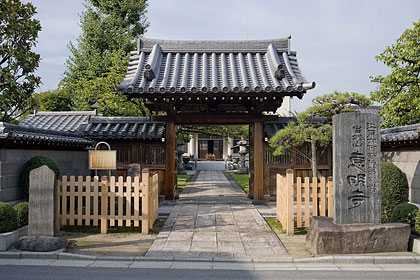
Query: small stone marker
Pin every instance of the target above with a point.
(41, 202)
(356, 168)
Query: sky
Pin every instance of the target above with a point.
(336, 41)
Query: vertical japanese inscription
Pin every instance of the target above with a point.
(372, 161)
(356, 178)
(356, 168)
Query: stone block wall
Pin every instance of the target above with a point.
(408, 161)
(12, 162)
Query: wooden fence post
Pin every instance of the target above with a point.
(104, 205)
(299, 202)
(145, 189)
(278, 195)
(314, 196)
(289, 201)
(330, 196)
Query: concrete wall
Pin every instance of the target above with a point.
(12, 162)
(409, 162)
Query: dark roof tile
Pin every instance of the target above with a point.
(26, 133)
(123, 127)
(66, 121)
(162, 66)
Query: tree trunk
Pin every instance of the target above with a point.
(314, 160)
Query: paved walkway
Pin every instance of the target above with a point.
(214, 219)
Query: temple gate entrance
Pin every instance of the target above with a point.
(214, 83)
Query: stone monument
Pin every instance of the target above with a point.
(42, 211)
(41, 219)
(356, 168)
(356, 226)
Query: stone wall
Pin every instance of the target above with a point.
(408, 160)
(12, 162)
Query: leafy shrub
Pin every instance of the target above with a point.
(417, 223)
(8, 220)
(34, 163)
(22, 212)
(404, 213)
(393, 188)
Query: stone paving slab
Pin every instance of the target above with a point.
(214, 219)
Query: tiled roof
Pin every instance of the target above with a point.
(401, 133)
(271, 128)
(161, 66)
(369, 109)
(67, 121)
(30, 134)
(123, 127)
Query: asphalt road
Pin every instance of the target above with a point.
(11, 272)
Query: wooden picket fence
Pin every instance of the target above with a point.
(298, 200)
(90, 201)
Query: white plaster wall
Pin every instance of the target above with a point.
(409, 162)
(284, 110)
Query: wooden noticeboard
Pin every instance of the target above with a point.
(103, 160)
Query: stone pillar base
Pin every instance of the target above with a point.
(326, 237)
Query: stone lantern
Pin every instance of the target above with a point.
(242, 153)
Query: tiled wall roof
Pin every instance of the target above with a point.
(67, 121)
(123, 127)
(401, 133)
(39, 135)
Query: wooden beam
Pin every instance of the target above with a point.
(214, 119)
(170, 140)
(258, 136)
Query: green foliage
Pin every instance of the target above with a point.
(393, 189)
(399, 91)
(417, 223)
(307, 127)
(8, 221)
(317, 131)
(182, 181)
(242, 180)
(101, 90)
(54, 100)
(18, 35)
(22, 213)
(404, 213)
(98, 60)
(34, 163)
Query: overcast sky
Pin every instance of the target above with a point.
(336, 41)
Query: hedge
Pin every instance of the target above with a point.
(404, 213)
(22, 213)
(8, 220)
(393, 188)
(34, 163)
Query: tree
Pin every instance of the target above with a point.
(54, 100)
(101, 91)
(109, 30)
(399, 91)
(18, 35)
(313, 126)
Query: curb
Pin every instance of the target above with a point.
(339, 259)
